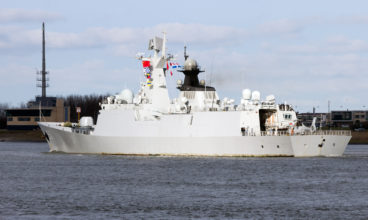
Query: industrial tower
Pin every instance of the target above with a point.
(43, 80)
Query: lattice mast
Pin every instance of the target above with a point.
(43, 80)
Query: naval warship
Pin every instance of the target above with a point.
(196, 123)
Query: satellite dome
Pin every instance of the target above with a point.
(202, 82)
(126, 95)
(256, 96)
(86, 121)
(270, 98)
(247, 94)
(190, 65)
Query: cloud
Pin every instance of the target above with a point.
(92, 76)
(200, 33)
(307, 70)
(343, 44)
(16, 37)
(178, 33)
(334, 44)
(22, 15)
(352, 19)
(18, 84)
(282, 26)
(299, 49)
(305, 80)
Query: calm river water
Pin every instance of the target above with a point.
(35, 184)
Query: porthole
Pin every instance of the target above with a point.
(278, 146)
(333, 144)
(262, 146)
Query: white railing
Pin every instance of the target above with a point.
(318, 132)
(274, 133)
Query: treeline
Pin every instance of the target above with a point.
(89, 105)
(3, 107)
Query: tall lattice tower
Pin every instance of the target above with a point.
(43, 80)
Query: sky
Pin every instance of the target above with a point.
(306, 53)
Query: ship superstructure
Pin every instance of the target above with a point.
(197, 122)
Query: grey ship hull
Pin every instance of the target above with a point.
(61, 139)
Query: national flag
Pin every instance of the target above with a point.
(146, 63)
(168, 67)
(146, 70)
(175, 65)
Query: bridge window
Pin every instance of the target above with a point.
(189, 94)
(24, 119)
(210, 95)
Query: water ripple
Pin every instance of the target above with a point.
(39, 185)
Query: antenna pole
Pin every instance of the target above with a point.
(213, 97)
(39, 109)
(329, 114)
(43, 62)
(205, 90)
(164, 46)
(185, 53)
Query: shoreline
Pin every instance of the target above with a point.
(37, 136)
(21, 136)
(359, 137)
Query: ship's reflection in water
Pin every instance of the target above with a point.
(34, 184)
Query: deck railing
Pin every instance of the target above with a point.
(318, 132)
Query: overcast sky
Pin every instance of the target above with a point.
(303, 52)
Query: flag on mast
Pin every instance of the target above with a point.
(146, 68)
(168, 67)
(146, 63)
(175, 65)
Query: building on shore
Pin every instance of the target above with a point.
(349, 119)
(340, 119)
(307, 118)
(43, 108)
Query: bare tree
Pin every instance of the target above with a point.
(3, 107)
(89, 105)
